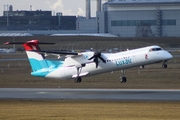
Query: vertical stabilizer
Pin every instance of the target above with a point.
(37, 60)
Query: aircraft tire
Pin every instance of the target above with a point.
(164, 66)
(77, 80)
(123, 79)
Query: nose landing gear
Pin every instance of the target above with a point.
(164, 65)
(123, 79)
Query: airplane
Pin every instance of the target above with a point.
(77, 65)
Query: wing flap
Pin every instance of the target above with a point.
(80, 75)
(73, 58)
(75, 61)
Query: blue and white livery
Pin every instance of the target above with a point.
(78, 65)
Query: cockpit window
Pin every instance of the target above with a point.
(155, 49)
(158, 49)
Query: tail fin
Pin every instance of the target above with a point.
(37, 60)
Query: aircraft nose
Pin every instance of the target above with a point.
(166, 56)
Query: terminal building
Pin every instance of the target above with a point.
(35, 20)
(123, 18)
(134, 18)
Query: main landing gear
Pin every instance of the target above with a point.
(123, 78)
(78, 79)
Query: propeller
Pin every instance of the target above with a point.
(96, 56)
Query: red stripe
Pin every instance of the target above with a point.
(31, 45)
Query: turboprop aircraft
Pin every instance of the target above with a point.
(78, 65)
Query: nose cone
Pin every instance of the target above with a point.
(166, 55)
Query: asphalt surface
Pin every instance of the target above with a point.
(90, 94)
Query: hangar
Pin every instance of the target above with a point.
(136, 18)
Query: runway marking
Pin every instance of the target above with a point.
(41, 92)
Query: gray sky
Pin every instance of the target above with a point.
(67, 7)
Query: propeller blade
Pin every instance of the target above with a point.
(96, 61)
(96, 56)
(91, 58)
(104, 61)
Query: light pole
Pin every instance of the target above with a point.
(14, 47)
(7, 15)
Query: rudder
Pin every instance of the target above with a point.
(37, 60)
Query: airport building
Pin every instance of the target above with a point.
(123, 18)
(35, 20)
(134, 18)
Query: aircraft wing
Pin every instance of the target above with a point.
(77, 61)
(73, 58)
(57, 52)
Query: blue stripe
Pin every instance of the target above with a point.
(43, 67)
(40, 73)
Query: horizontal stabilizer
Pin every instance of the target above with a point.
(56, 52)
(31, 41)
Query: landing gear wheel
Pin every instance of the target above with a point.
(123, 79)
(77, 80)
(164, 66)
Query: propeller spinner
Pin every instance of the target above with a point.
(96, 56)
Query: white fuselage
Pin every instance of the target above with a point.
(114, 61)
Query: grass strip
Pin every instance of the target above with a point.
(87, 110)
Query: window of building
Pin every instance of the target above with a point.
(141, 22)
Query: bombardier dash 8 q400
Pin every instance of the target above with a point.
(78, 65)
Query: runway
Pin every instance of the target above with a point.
(90, 94)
